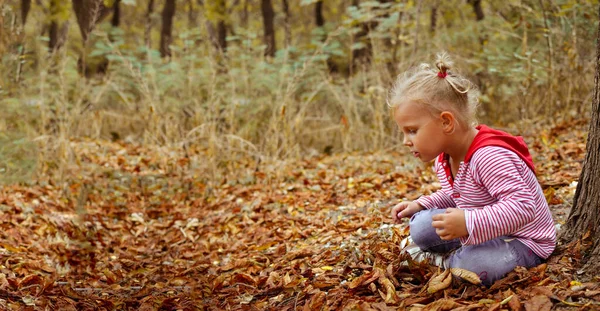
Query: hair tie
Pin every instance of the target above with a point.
(442, 74)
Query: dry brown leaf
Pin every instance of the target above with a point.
(538, 303)
(542, 290)
(66, 304)
(442, 305)
(365, 279)
(476, 306)
(274, 279)
(316, 302)
(244, 278)
(466, 275)
(514, 303)
(390, 292)
(440, 282)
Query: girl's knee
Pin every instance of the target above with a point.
(421, 229)
(490, 262)
(423, 234)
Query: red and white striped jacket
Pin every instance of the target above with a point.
(498, 189)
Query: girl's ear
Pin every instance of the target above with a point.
(448, 122)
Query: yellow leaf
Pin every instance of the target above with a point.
(440, 282)
(466, 275)
(390, 290)
(327, 268)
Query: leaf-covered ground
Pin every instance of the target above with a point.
(133, 228)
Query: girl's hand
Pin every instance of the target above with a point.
(451, 224)
(405, 209)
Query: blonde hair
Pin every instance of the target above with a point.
(438, 90)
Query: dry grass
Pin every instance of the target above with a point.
(219, 110)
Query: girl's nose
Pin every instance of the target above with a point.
(406, 141)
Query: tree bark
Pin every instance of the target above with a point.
(319, 19)
(222, 35)
(58, 35)
(89, 13)
(433, 20)
(58, 29)
(583, 219)
(148, 29)
(320, 22)
(417, 28)
(287, 25)
(217, 29)
(25, 7)
(477, 9)
(116, 17)
(268, 27)
(245, 15)
(166, 33)
(192, 15)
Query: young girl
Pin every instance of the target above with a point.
(490, 209)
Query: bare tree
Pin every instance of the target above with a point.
(88, 14)
(116, 17)
(268, 26)
(477, 9)
(217, 29)
(59, 28)
(584, 221)
(433, 20)
(166, 36)
(319, 19)
(148, 28)
(25, 7)
(286, 23)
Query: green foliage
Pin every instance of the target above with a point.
(60, 10)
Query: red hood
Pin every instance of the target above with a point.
(491, 137)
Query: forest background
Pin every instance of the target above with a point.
(268, 80)
(240, 154)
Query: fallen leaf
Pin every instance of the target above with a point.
(390, 292)
(512, 300)
(440, 282)
(364, 279)
(466, 275)
(316, 302)
(538, 303)
(442, 305)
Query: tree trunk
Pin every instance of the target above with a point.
(268, 27)
(477, 9)
(319, 19)
(25, 7)
(148, 29)
(116, 17)
(222, 35)
(245, 15)
(59, 28)
(192, 15)
(166, 33)
(320, 22)
(216, 11)
(433, 20)
(287, 25)
(58, 35)
(417, 34)
(583, 219)
(89, 13)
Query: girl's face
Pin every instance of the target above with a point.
(423, 132)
